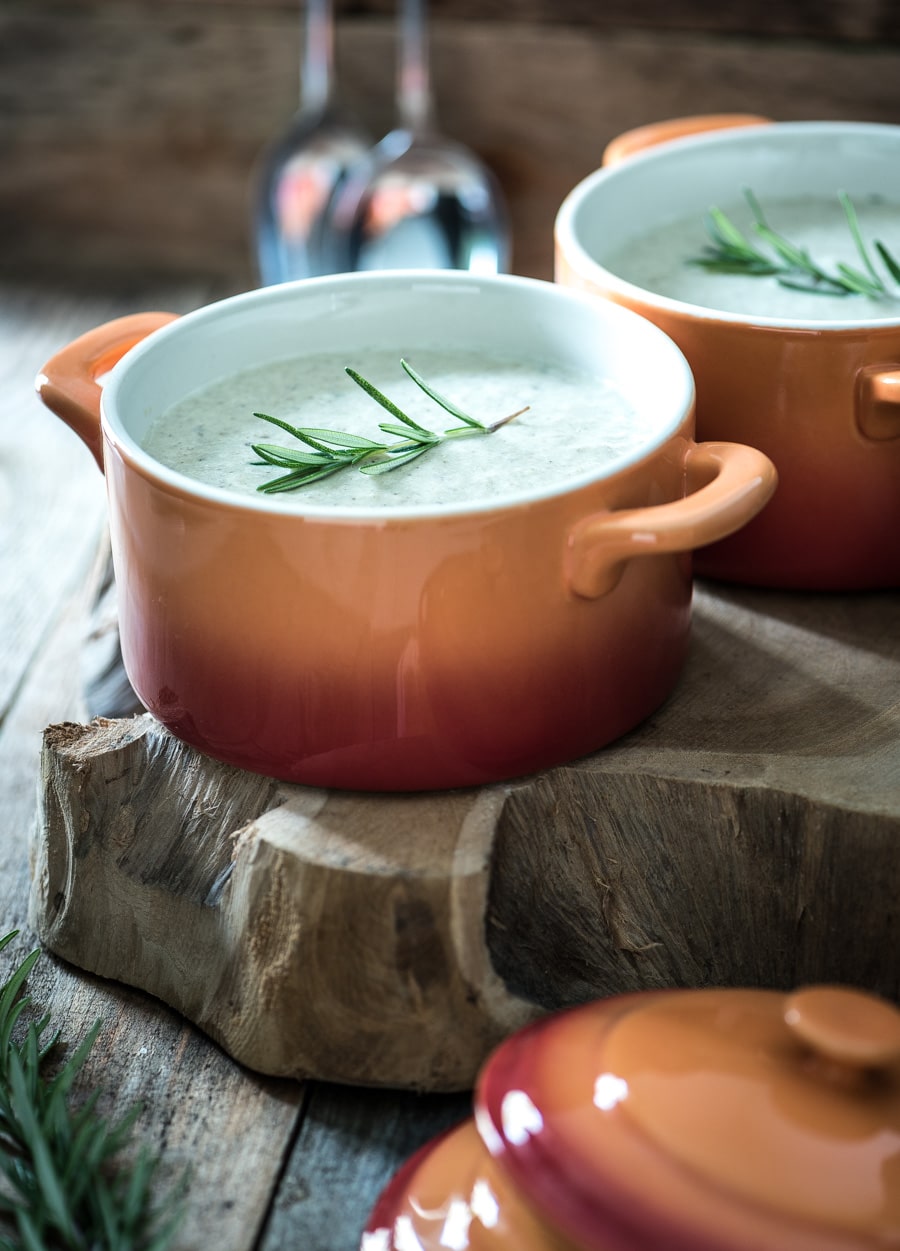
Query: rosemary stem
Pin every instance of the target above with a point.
(334, 450)
(730, 251)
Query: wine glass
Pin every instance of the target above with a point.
(302, 169)
(418, 200)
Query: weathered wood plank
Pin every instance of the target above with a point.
(838, 19)
(350, 1145)
(138, 153)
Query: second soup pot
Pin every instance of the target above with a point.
(423, 647)
(820, 397)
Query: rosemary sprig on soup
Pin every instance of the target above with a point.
(516, 426)
(333, 450)
(731, 252)
(804, 257)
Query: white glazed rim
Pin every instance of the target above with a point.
(584, 265)
(662, 350)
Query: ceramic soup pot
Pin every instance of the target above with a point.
(820, 396)
(708, 1120)
(426, 647)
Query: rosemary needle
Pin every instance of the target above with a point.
(64, 1185)
(326, 452)
(732, 252)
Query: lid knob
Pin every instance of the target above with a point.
(846, 1026)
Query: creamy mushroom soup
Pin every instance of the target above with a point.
(660, 261)
(576, 425)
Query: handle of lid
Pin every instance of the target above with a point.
(847, 1026)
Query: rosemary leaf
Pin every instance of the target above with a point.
(853, 223)
(8, 999)
(336, 437)
(446, 404)
(858, 282)
(890, 264)
(65, 1185)
(284, 425)
(378, 466)
(727, 234)
(24, 1100)
(731, 252)
(275, 454)
(380, 398)
(414, 436)
(290, 481)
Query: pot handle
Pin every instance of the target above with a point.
(630, 142)
(70, 382)
(878, 402)
(728, 483)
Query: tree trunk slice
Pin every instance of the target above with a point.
(746, 834)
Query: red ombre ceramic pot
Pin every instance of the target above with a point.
(711, 1120)
(418, 649)
(821, 398)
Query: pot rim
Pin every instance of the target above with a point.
(583, 264)
(679, 401)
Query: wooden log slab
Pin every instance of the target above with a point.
(746, 834)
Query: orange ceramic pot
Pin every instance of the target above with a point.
(711, 1120)
(822, 399)
(424, 648)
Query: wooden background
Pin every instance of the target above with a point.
(129, 132)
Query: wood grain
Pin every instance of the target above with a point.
(325, 1193)
(838, 19)
(139, 153)
(311, 933)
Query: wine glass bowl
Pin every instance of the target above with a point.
(418, 202)
(302, 170)
(299, 178)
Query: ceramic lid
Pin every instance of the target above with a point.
(452, 1196)
(713, 1120)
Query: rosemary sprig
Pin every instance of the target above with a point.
(62, 1187)
(731, 252)
(328, 451)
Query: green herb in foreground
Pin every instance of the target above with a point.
(731, 252)
(62, 1187)
(327, 451)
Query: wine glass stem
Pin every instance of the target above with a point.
(318, 55)
(413, 85)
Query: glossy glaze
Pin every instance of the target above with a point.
(423, 649)
(454, 1196)
(705, 1120)
(822, 400)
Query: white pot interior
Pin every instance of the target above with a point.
(398, 311)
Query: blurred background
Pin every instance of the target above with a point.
(130, 132)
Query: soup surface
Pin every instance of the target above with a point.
(576, 425)
(661, 261)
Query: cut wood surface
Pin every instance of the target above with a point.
(745, 835)
(312, 933)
